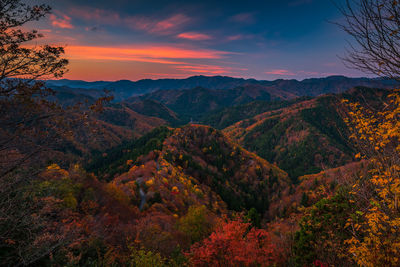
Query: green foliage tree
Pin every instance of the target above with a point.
(142, 258)
(254, 217)
(196, 224)
(322, 232)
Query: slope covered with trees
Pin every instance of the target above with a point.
(174, 189)
(242, 179)
(225, 117)
(307, 136)
(321, 188)
(196, 102)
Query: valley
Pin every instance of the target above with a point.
(159, 158)
(200, 133)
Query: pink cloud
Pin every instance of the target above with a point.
(169, 25)
(96, 15)
(235, 37)
(61, 21)
(240, 37)
(280, 72)
(309, 73)
(243, 18)
(45, 30)
(194, 36)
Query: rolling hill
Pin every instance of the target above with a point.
(305, 137)
(195, 103)
(202, 155)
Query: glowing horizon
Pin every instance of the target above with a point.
(133, 41)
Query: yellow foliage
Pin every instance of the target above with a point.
(150, 182)
(198, 191)
(117, 193)
(376, 238)
(175, 189)
(53, 167)
(70, 201)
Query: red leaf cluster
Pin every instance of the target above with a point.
(234, 244)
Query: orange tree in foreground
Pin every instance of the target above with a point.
(234, 243)
(375, 237)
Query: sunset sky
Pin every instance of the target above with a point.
(136, 39)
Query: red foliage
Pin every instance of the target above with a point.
(319, 263)
(234, 244)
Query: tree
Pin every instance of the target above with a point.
(196, 224)
(254, 217)
(234, 243)
(374, 26)
(23, 103)
(322, 232)
(141, 258)
(28, 122)
(375, 237)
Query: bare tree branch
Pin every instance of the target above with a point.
(374, 26)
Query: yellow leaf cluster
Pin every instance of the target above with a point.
(376, 238)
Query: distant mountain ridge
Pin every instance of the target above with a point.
(286, 88)
(194, 103)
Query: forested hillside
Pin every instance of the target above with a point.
(307, 136)
(205, 170)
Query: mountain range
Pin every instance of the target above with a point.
(295, 124)
(283, 89)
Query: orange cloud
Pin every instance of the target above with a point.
(208, 69)
(132, 62)
(194, 36)
(150, 53)
(62, 21)
(91, 70)
(280, 72)
(203, 69)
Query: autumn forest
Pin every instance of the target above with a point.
(203, 170)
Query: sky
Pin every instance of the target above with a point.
(137, 39)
